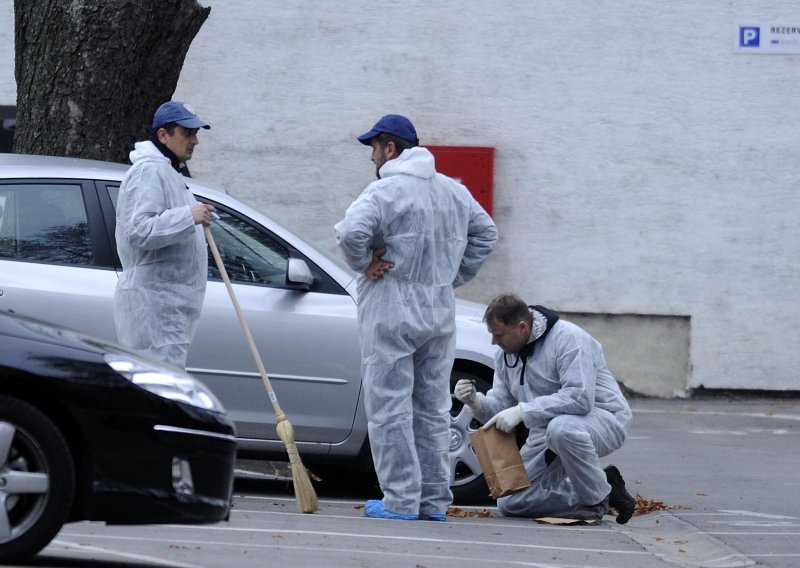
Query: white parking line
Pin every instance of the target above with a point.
(339, 551)
(748, 533)
(93, 550)
(794, 417)
(760, 515)
(365, 536)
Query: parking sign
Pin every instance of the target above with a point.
(768, 37)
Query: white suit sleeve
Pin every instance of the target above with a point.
(481, 238)
(357, 231)
(147, 224)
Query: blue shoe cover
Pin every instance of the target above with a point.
(432, 517)
(375, 509)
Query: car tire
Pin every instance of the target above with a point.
(37, 479)
(466, 477)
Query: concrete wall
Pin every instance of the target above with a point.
(648, 354)
(643, 169)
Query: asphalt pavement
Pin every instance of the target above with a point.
(719, 475)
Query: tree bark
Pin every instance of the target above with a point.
(91, 73)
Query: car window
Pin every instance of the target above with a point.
(44, 223)
(252, 254)
(113, 193)
(249, 255)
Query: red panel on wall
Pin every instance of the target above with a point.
(472, 165)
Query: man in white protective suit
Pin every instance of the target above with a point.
(552, 376)
(413, 236)
(160, 241)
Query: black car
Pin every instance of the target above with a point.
(92, 431)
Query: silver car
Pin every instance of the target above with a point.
(58, 262)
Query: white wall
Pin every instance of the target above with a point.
(642, 166)
(8, 87)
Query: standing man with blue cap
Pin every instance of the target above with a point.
(160, 241)
(413, 236)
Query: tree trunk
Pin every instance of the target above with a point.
(91, 73)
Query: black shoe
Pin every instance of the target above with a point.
(619, 498)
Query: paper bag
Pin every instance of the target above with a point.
(500, 461)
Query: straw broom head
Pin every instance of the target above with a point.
(303, 490)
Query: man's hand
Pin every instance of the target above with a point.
(465, 392)
(201, 213)
(506, 420)
(378, 267)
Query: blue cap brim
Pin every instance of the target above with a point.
(366, 138)
(193, 123)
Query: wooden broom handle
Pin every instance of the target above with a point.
(218, 260)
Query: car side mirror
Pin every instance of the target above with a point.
(298, 275)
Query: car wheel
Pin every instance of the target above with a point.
(466, 476)
(37, 479)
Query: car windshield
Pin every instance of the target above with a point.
(324, 248)
(334, 258)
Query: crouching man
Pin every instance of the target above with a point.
(552, 376)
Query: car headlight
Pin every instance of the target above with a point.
(165, 382)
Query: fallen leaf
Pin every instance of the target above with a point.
(644, 506)
(462, 513)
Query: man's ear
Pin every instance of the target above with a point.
(391, 150)
(161, 135)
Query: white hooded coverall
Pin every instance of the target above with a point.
(573, 406)
(160, 293)
(437, 236)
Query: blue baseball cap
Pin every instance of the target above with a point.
(394, 124)
(179, 113)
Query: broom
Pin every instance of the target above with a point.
(303, 490)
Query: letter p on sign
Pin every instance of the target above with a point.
(749, 36)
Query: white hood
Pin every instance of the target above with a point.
(415, 161)
(145, 150)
